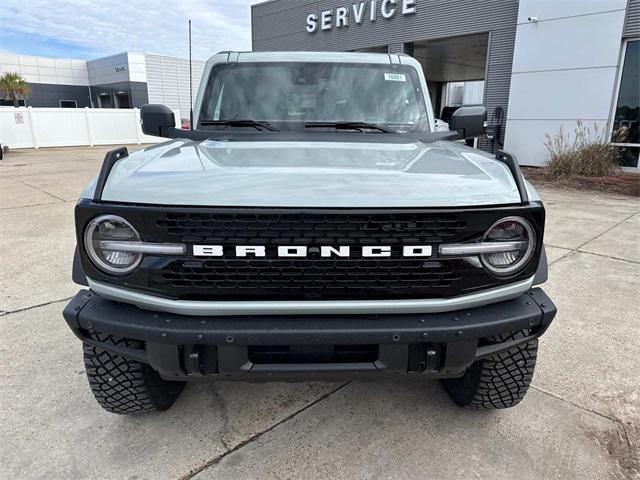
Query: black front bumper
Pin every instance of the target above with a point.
(308, 347)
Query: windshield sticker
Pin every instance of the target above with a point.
(395, 77)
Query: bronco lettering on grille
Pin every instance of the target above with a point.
(325, 251)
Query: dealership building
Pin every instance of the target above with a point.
(539, 64)
(125, 80)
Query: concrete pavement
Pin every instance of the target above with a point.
(581, 419)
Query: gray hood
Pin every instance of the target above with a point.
(311, 174)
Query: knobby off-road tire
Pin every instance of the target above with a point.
(121, 385)
(500, 381)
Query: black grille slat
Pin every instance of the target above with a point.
(313, 229)
(320, 274)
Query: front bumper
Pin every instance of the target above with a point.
(308, 347)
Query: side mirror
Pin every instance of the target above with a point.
(469, 121)
(157, 120)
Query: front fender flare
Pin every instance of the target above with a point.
(77, 273)
(542, 273)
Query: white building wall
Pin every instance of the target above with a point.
(168, 81)
(564, 69)
(122, 67)
(167, 77)
(463, 93)
(57, 71)
(137, 67)
(473, 92)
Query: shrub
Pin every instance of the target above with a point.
(588, 153)
(14, 87)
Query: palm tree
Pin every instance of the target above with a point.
(14, 87)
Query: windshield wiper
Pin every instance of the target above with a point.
(240, 123)
(349, 126)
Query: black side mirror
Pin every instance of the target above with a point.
(157, 120)
(469, 121)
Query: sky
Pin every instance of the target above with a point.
(88, 29)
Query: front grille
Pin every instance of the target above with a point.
(313, 277)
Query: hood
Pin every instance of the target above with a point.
(351, 174)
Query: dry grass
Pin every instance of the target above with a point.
(586, 153)
(622, 183)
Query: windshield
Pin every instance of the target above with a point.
(292, 95)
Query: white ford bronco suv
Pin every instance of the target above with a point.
(311, 225)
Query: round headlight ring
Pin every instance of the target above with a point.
(96, 258)
(526, 257)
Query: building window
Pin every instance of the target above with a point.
(104, 100)
(626, 117)
(68, 104)
(122, 100)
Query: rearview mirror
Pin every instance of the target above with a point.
(157, 120)
(469, 121)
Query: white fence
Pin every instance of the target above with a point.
(28, 127)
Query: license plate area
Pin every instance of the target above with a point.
(301, 354)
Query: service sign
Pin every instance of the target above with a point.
(358, 13)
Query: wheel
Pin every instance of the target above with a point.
(121, 385)
(500, 381)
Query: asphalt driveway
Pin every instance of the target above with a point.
(580, 420)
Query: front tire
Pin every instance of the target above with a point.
(121, 385)
(500, 381)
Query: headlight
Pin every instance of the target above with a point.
(518, 235)
(109, 230)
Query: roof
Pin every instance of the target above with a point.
(309, 56)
